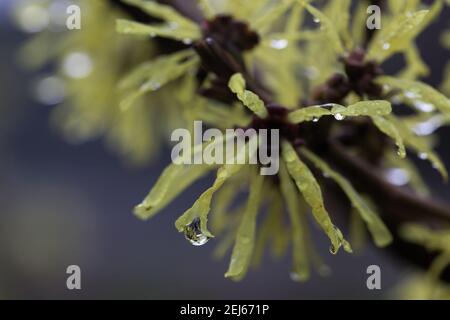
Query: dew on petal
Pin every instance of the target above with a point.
(279, 44)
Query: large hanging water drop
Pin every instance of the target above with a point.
(194, 234)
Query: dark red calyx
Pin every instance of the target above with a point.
(278, 119)
(231, 33)
(362, 73)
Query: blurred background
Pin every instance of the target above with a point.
(64, 204)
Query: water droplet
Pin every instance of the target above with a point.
(386, 46)
(316, 20)
(33, 18)
(424, 107)
(173, 25)
(187, 41)
(151, 85)
(194, 235)
(50, 90)
(279, 44)
(77, 65)
(339, 117)
(397, 177)
(396, 99)
(311, 72)
(411, 95)
(423, 156)
(428, 127)
(333, 249)
(326, 175)
(315, 119)
(154, 85)
(296, 277)
(142, 207)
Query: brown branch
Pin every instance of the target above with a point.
(387, 193)
(397, 205)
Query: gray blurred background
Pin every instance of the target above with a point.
(62, 204)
